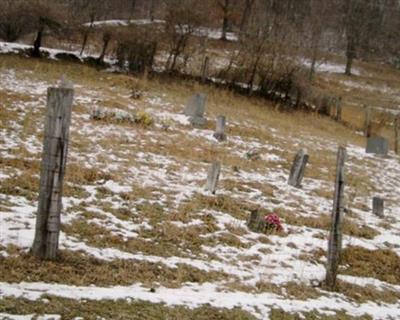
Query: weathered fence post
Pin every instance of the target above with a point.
(397, 135)
(204, 69)
(220, 129)
(213, 177)
(54, 157)
(367, 121)
(298, 168)
(378, 207)
(335, 235)
(338, 115)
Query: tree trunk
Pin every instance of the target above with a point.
(152, 9)
(106, 41)
(37, 44)
(246, 14)
(350, 53)
(86, 35)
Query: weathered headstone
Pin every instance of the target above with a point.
(335, 235)
(298, 168)
(213, 177)
(377, 145)
(378, 206)
(220, 129)
(256, 221)
(195, 109)
(54, 157)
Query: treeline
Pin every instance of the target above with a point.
(270, 35)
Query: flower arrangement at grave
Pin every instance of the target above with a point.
(273, 223)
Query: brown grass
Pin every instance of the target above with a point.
(381, 264)
(117, 309)
(73, 268)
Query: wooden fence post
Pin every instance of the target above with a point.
(213, 177)
(338, 116)
(397, 135)
(335, 235)
(298, 168)
(367, 121)
(54, 157)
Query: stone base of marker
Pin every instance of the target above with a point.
(378, 207)
(377, 145)
(198, 122)
(220, 136)
(256, 221)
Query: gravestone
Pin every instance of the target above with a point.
(213, 177)
(377, 145)
(256, 221)
(195, 109)
(298, 168)
(378, 207)
(220, 129)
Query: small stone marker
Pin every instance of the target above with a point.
(256, 222)
(335, 235)
(378, 206)
(195, 109)
(298, 168)
(377, 145)
(213, 177)
(220, 129)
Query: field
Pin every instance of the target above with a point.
(142, 239)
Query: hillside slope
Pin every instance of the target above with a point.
(141, 237)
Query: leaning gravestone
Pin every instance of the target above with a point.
(298, 168)
(195, 109)
(377, 145)
(220, 129)
(378, 207)
(213, 177)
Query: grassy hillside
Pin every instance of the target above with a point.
(142, 239)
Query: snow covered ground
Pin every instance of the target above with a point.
(167, 168)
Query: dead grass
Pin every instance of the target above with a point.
(117, 309)
(381, 264)
(363, 294)
(277, 314)
(73, 268)
(323, 222)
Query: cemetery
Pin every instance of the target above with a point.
(201, 208)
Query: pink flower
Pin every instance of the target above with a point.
(273, 222)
